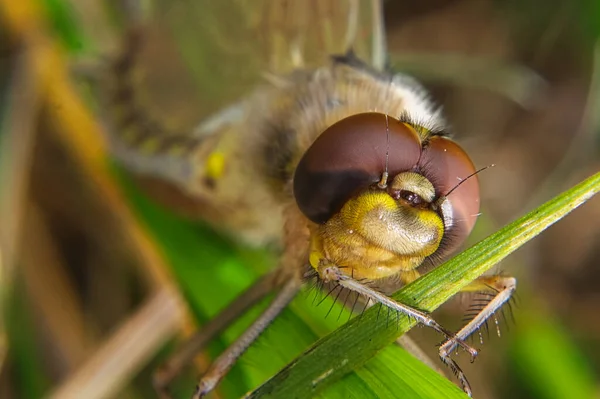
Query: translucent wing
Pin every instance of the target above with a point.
(219, 50)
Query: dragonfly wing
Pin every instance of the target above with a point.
(228, 46)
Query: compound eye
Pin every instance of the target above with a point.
(445, 164)
(349, 156)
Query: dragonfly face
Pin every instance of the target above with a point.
(375, 229)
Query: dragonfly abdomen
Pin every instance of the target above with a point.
(138, 142)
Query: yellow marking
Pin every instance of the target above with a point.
(215, 165)
(316, 251)
(357, 208)
(377, 216)
(375, 236)
(420, 130)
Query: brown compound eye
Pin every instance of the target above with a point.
(446, 164)
(350, 156)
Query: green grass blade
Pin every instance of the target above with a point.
(394, 373)
(352, 345)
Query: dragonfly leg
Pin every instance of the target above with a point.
(504, 287)
(334, 274)
(189, 349)
(225, 361)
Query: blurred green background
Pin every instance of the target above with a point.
(87, 259)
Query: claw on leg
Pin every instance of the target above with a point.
(457, 371)
(504, 288)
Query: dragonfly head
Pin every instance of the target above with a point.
(376, 187)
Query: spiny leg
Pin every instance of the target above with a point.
(189, 349)
(332, 273)
(225, 361)
(504, 287)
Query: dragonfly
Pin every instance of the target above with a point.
(345, 166)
